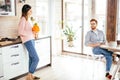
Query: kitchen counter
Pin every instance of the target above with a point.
(7, 43)
(17, 41)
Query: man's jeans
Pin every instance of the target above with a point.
(33, 57)
(107, 54)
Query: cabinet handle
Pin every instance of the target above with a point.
(1, 76)
(4, 13)
(15, 63)
(14, 55)
(15, 46)
(37, 42)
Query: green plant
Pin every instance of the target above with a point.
(69, 33)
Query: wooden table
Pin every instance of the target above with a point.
(114, 49)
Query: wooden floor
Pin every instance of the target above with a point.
(67, 67)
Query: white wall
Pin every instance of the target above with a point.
(56, 28)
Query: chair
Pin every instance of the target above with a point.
(93, 57)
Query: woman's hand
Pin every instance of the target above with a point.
(35, 35)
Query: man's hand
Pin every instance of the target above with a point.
(95, 44)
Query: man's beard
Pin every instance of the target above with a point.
(93, 28)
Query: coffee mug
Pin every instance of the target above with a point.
(118, 42)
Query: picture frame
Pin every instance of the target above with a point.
(7, 7)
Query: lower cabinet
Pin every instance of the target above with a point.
(14, 61)
(14, 58)
(1, 66)
(43, 51)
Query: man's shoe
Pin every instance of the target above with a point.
(108, 76)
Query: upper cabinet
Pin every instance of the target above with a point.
(7, 7)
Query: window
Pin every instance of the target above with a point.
(100, 13)
(118, 26)
(78, 14)
(73, 19)
(42, 16)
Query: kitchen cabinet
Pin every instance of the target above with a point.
(14, 61)
(1, 68)
(44, 52)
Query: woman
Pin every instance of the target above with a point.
(27, 36)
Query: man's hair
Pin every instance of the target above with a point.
(94, 20)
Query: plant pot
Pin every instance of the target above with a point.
(70, 44)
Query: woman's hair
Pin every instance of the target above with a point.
(94, 20)
(25, 9)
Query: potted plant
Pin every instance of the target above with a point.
(70, 35)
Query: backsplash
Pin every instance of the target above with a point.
(9, 24)
(8, 27)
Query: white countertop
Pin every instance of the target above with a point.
(111, 48)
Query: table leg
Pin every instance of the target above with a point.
(116, 70)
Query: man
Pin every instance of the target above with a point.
(94, 38)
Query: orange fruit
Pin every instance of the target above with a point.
(35, 28)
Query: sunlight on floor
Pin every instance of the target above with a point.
(72, 68)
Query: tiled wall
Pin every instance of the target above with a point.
(9, 24)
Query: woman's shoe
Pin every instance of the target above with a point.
(28, 77)
(35, 77)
